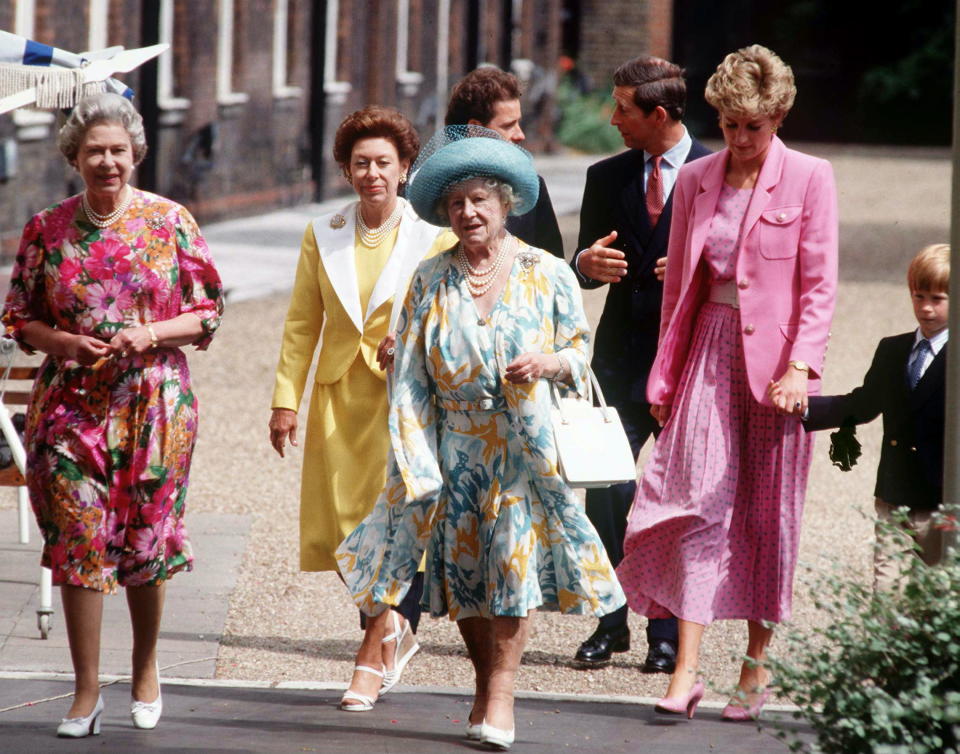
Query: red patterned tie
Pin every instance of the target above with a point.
(655, 191)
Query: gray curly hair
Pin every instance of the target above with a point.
(504, 190)
(105, 107)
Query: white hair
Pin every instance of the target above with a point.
(105, 107)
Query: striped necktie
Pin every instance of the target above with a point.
(920, 351)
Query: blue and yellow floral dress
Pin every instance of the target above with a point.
(472, 479)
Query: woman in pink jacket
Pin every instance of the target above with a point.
(748, 299)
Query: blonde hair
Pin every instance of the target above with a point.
(752, 82)
(930, 269)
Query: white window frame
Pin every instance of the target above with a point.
(165, 97)
(282, 88)
(32, 125)
(336, 91)
(225, 93)
(409, 81)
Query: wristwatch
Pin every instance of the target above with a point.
(800, 366)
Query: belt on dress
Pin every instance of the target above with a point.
(484, 404)
(724, 292)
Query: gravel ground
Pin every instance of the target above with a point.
(288, 625)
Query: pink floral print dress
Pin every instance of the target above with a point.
(109, 446)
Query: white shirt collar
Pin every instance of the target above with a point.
(677, 154)
(937, 342)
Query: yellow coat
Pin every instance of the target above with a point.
(346, 442)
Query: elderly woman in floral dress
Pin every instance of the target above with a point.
(109, 284)
(473, 480)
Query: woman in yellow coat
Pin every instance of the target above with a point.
(354, 270)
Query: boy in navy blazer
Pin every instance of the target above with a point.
(907, 384)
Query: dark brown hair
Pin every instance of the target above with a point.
(656, 82)
(476, 93)
(371, 122)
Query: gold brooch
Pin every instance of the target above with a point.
(156, 222)
(337, 221)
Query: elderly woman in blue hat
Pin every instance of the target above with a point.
(473, 478)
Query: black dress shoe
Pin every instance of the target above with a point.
(596, 650)
(661, 657)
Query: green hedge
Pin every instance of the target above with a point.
(884, 676)
(584, 122)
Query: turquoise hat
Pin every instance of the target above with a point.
(470, 156)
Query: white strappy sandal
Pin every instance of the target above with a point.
(400, 634)
(363, 703)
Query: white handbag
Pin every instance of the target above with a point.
(592, 448)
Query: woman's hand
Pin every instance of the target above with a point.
(385, 351)
(131, 340)
(789, 393)
(530, 367)
(661, 412)
(86, 350)
(283, 424)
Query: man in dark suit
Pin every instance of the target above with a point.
(907, 384)
(490, 98)
(624, 229)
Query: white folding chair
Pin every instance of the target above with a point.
(13, 475)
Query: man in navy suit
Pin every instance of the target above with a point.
(907, 384)
(490, 98)
(624, 229)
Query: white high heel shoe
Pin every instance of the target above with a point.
(146, 715)
(401, 654)
(80, 727)
(496, 738)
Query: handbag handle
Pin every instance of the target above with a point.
(592, 386)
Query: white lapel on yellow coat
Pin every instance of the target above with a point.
(335, 245)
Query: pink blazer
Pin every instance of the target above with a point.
(786, 269)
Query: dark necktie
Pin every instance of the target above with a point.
(655, 191)
(920, 352)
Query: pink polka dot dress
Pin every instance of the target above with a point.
(714, 528)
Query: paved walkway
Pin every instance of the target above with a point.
(196, 605)
(211, 717)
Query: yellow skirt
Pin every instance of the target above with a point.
(344, 462)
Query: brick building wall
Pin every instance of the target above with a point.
(613, 31)
(258, 147)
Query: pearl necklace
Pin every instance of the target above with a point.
(480, 281)
(371, 237)
(105, 221)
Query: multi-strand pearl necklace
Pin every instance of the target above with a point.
(480, 281)
(105, 221)
(372, 237)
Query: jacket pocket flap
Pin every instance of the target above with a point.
(782, 215)
(789, 330)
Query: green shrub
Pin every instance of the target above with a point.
(884, 676)
(585, 121)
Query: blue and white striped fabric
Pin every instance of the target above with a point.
(22, 51)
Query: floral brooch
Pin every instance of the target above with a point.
(528, 259)
(337, 221)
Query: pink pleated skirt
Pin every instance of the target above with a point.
(715, 525)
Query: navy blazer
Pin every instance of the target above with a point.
(626, 339)
(911, 459)
(539, 226)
